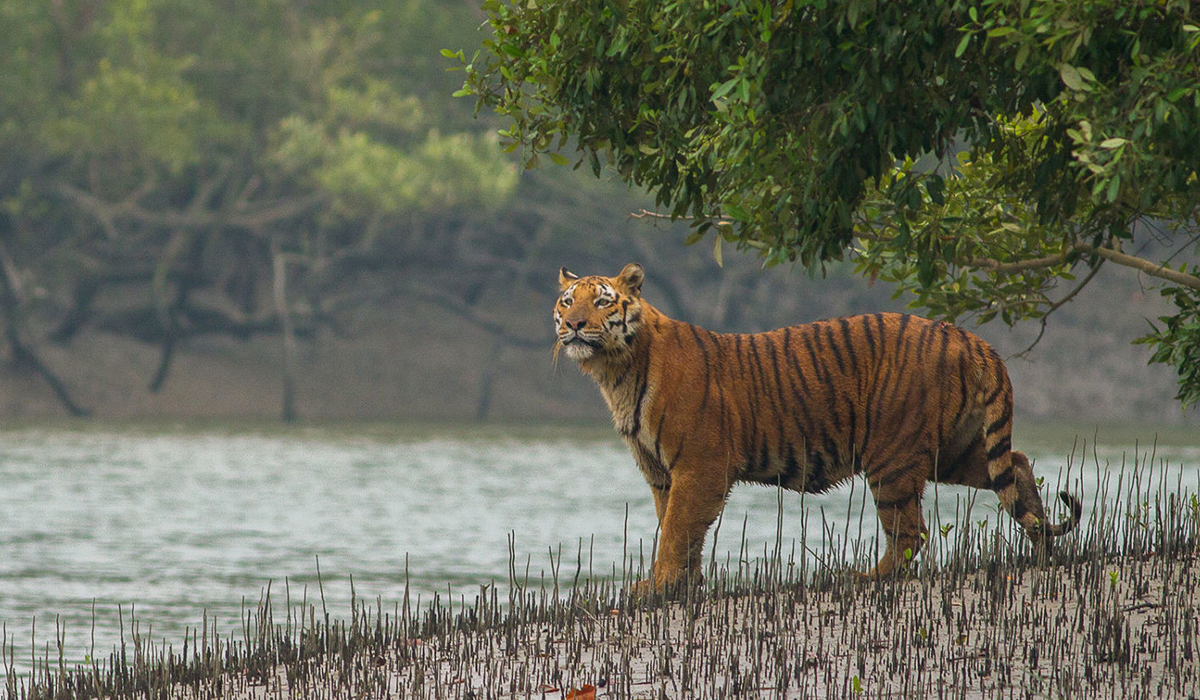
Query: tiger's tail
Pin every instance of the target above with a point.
(1010, 472)
(1071, 521)
(996, 393)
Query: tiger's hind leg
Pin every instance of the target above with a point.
(898, 503)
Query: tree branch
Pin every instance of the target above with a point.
(1153, 269)
(1059, 304)
(474, 316)
(1019, 266)
(246, 217)
(1111, 254)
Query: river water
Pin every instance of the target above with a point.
(103, 525)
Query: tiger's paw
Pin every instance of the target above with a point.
(664, 587)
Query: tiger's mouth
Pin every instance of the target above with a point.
(579, 347)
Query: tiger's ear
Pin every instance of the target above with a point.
(566, 277)
(632, 277)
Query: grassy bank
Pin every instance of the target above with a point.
(1113, 613)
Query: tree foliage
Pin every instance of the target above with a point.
(980, 154)
(169, 169)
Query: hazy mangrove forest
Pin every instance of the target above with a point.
(262, 209)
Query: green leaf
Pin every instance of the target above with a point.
(1022, 56)
(717, 251)
(725, 88)
(1070, 76)
(1113, 142)
(962, 46)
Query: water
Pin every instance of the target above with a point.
(100, 527)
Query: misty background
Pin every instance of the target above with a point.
(251, 210)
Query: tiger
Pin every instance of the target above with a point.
(899, 399)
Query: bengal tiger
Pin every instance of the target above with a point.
(899, 399)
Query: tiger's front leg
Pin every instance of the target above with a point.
(691, 505)
(660, 500)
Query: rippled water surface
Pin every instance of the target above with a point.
(168, 527)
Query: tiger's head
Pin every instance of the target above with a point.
(598, 316)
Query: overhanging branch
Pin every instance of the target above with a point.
(1112, 255)
(1153, 269)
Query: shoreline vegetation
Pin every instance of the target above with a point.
(1114, 612)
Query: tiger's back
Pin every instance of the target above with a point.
(899, 399)
(808, 406)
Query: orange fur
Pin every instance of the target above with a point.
(899, 399)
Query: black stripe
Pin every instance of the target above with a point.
(888, 478)
(658, 435)
(964, 366)
(641, 395)
(945, 348)
(1002, 420)
(904, 319)
(827, 329)
(756, 388)
(815, 366)
(868, 334)
(780, 396)
(791, 467)
(707, 367)
(848, 342)
(992, 398)
(799, 406)
(1000, 448)
(897, 503)
(1003, 480)
(817, 478)
(820, 367)
(821, 375)
(675, 458)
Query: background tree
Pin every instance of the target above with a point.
(171, 170)
(979, 154)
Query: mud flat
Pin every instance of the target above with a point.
(1097, 629)
(1087, 626)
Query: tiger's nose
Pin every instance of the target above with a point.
(575, 324)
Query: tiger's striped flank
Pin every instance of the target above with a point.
(900, 399)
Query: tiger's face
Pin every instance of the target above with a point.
(598, 315)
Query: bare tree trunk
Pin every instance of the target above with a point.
(288, 333)
(487, 380)
(21, 352)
